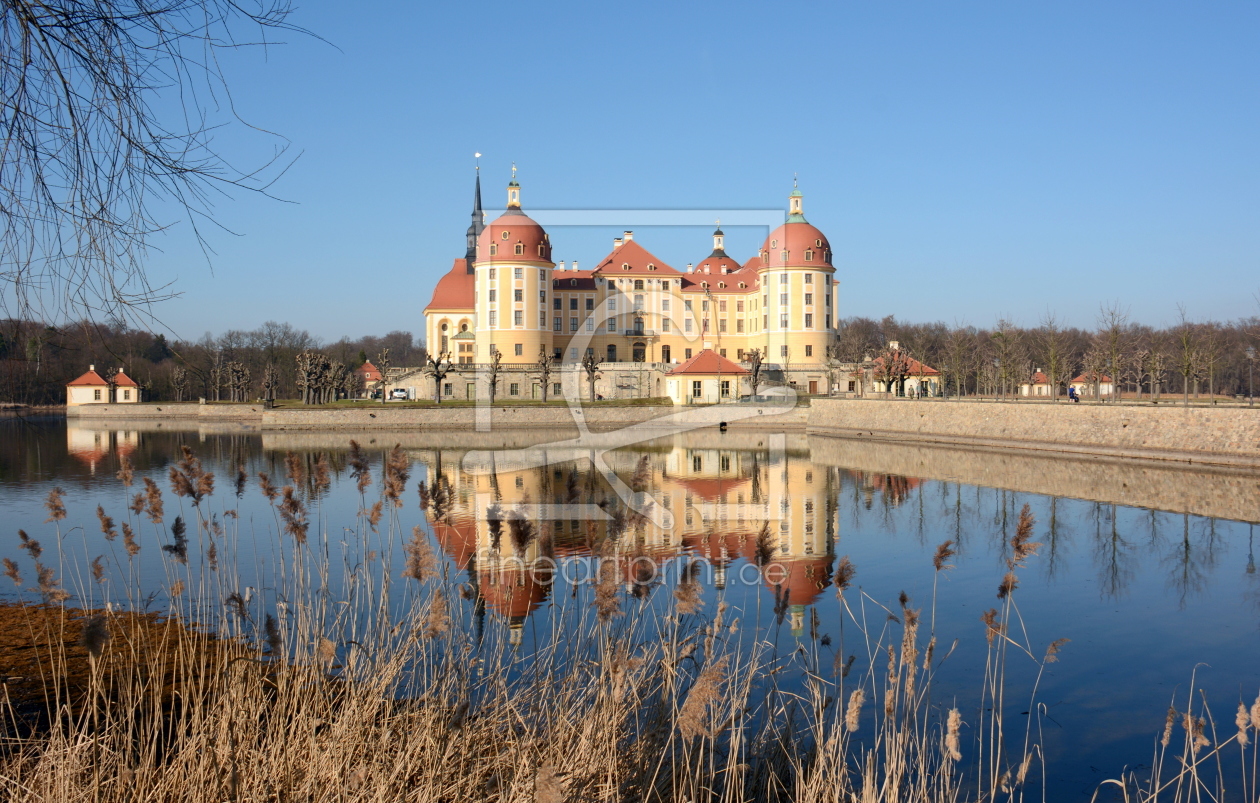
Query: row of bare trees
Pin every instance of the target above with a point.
(1190, 358)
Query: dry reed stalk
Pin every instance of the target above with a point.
(268, 490)
(98, 569)
(397, 471)
(943, 553)
(437, 620)
(1255, 713)
(952, 742)
(764, 550)
(322, 475)
(11, 572)
(294, 470)
(29, 544)
(688, 592)
(607, 601)
(1242, 721)
(422, 489)
(844, 575)
(293, 514)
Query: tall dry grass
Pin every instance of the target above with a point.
(376, 687)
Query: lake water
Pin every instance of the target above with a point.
(1149, 571)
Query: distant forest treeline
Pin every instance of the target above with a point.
(1190, 357)
(37, 360)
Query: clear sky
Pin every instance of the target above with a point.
(966, 160)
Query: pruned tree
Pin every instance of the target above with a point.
(493, 369)
(1053, 347)
(891, 368)
(270, 380)
(179, 382)
(546, 365)
(755, 360)
(110, 114)
(438, 368)
(1186, 355)
(590, 364)
(382, 364)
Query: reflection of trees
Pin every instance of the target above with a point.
(1191, 557)
(1114, 554)
(1057, 540)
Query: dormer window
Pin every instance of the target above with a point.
(784, 255)
(494, 250)
(625, 266)
(773, 243)
(704, 284)
(651, 266)
(742, 286)
(573, 283)
(520, 249)
(818, 243)
(540, 250)
(505, 235)
(721, 285)
(809, 255)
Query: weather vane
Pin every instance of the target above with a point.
(513, 171)
(794, 186)
(477, 156)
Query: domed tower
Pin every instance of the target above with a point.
(513, 275)
(797, 290)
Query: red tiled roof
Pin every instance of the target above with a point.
(1039, 378)
(1090, 378)
(797, 238)
(369, 372)
(573, 280)
(708, 362)
(90, 378)
(123, 381)
(638, 258)
(455, 289)
(913, 367)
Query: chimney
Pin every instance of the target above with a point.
(616, 242)
(724, 271)
(894, 345)
(629, 235)
(560, 265)
(575, 267)
(690, 269)
(91, 367)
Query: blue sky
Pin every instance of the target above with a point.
(966, 160)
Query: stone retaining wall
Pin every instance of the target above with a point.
(1227, 436)
(1226, 493)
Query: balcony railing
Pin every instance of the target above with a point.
(641, 333)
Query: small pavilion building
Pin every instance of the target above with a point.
(707, 378)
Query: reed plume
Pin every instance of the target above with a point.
(943, 553)
(153, 501)
(293, 514)
(95, 635)
(359, 469)
(1022, 547)
(397, 471)
(125, 471)
(374, 514)
(764, 550)
(241, 479)
(98, 569)
(1009, 583)
(853, 714)
(1052, 652)
(48, 585)
(607, 602)
(1243, 721)
(438, 620)
(137, 504)
(107, 524)
(271, 632)
(494, 521)
(705, 695)
(268, 490)
(1169, 721)
(322, 475)
(31, 546)
(844, 575)
(953, 724)
(129, 540)
(422, 563)
(520, 529)
(688, 592)
(180, 548)
(56, 508)
(992, 627)
(11, 572)
(422, 489)
(294, 471)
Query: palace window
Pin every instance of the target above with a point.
(494, 251)
(686, 354)
(514, 390)
(739, 306)
(638, 303)
(783, 320)
(783, 299)
(783, 277)
(809, 351)
(520, 249)
(492, 272)
(665, 305)
(542, 296)
(783, 351)
(590, 304)
(809, 278)
(809, 255)
(739, 325)
(638, 284)
(590, 324)
(518, 318)
(518, 295)
(555, 303)
(494, 318)
(557, 323)
(721, 324)
(612, 324)
(722, 305)
(809, 299)
(664, 324)
(518, 273)
(687, 325)
(809, 320)
(573, 324)
(493, 296)
(573, 303)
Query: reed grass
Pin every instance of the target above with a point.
(378, 687)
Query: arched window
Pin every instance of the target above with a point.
(520, 249)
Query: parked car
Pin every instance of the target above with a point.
(398, 393)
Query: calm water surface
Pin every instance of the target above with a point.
(1144, 593)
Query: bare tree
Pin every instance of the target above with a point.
(1186, 352)
(269, 381)
(892, 367)
(755, 360)
(382, 365)
(492, 373)
(546, 364)
(110, 112)
(438, 368)
(1054, 344)
(960, 349)
(179, 382)
(590, 364)
(1113, 339)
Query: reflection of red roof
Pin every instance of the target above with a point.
(1089, 377)
(515, 593)
(455, 289)
(711, 488)
(803, 578)
(124, 381)
(708, 362)
(90, 378)
(458, 540)
(637, 258)
(717, 548)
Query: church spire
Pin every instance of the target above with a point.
(478, 223)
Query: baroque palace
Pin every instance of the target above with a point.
(645, 320)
